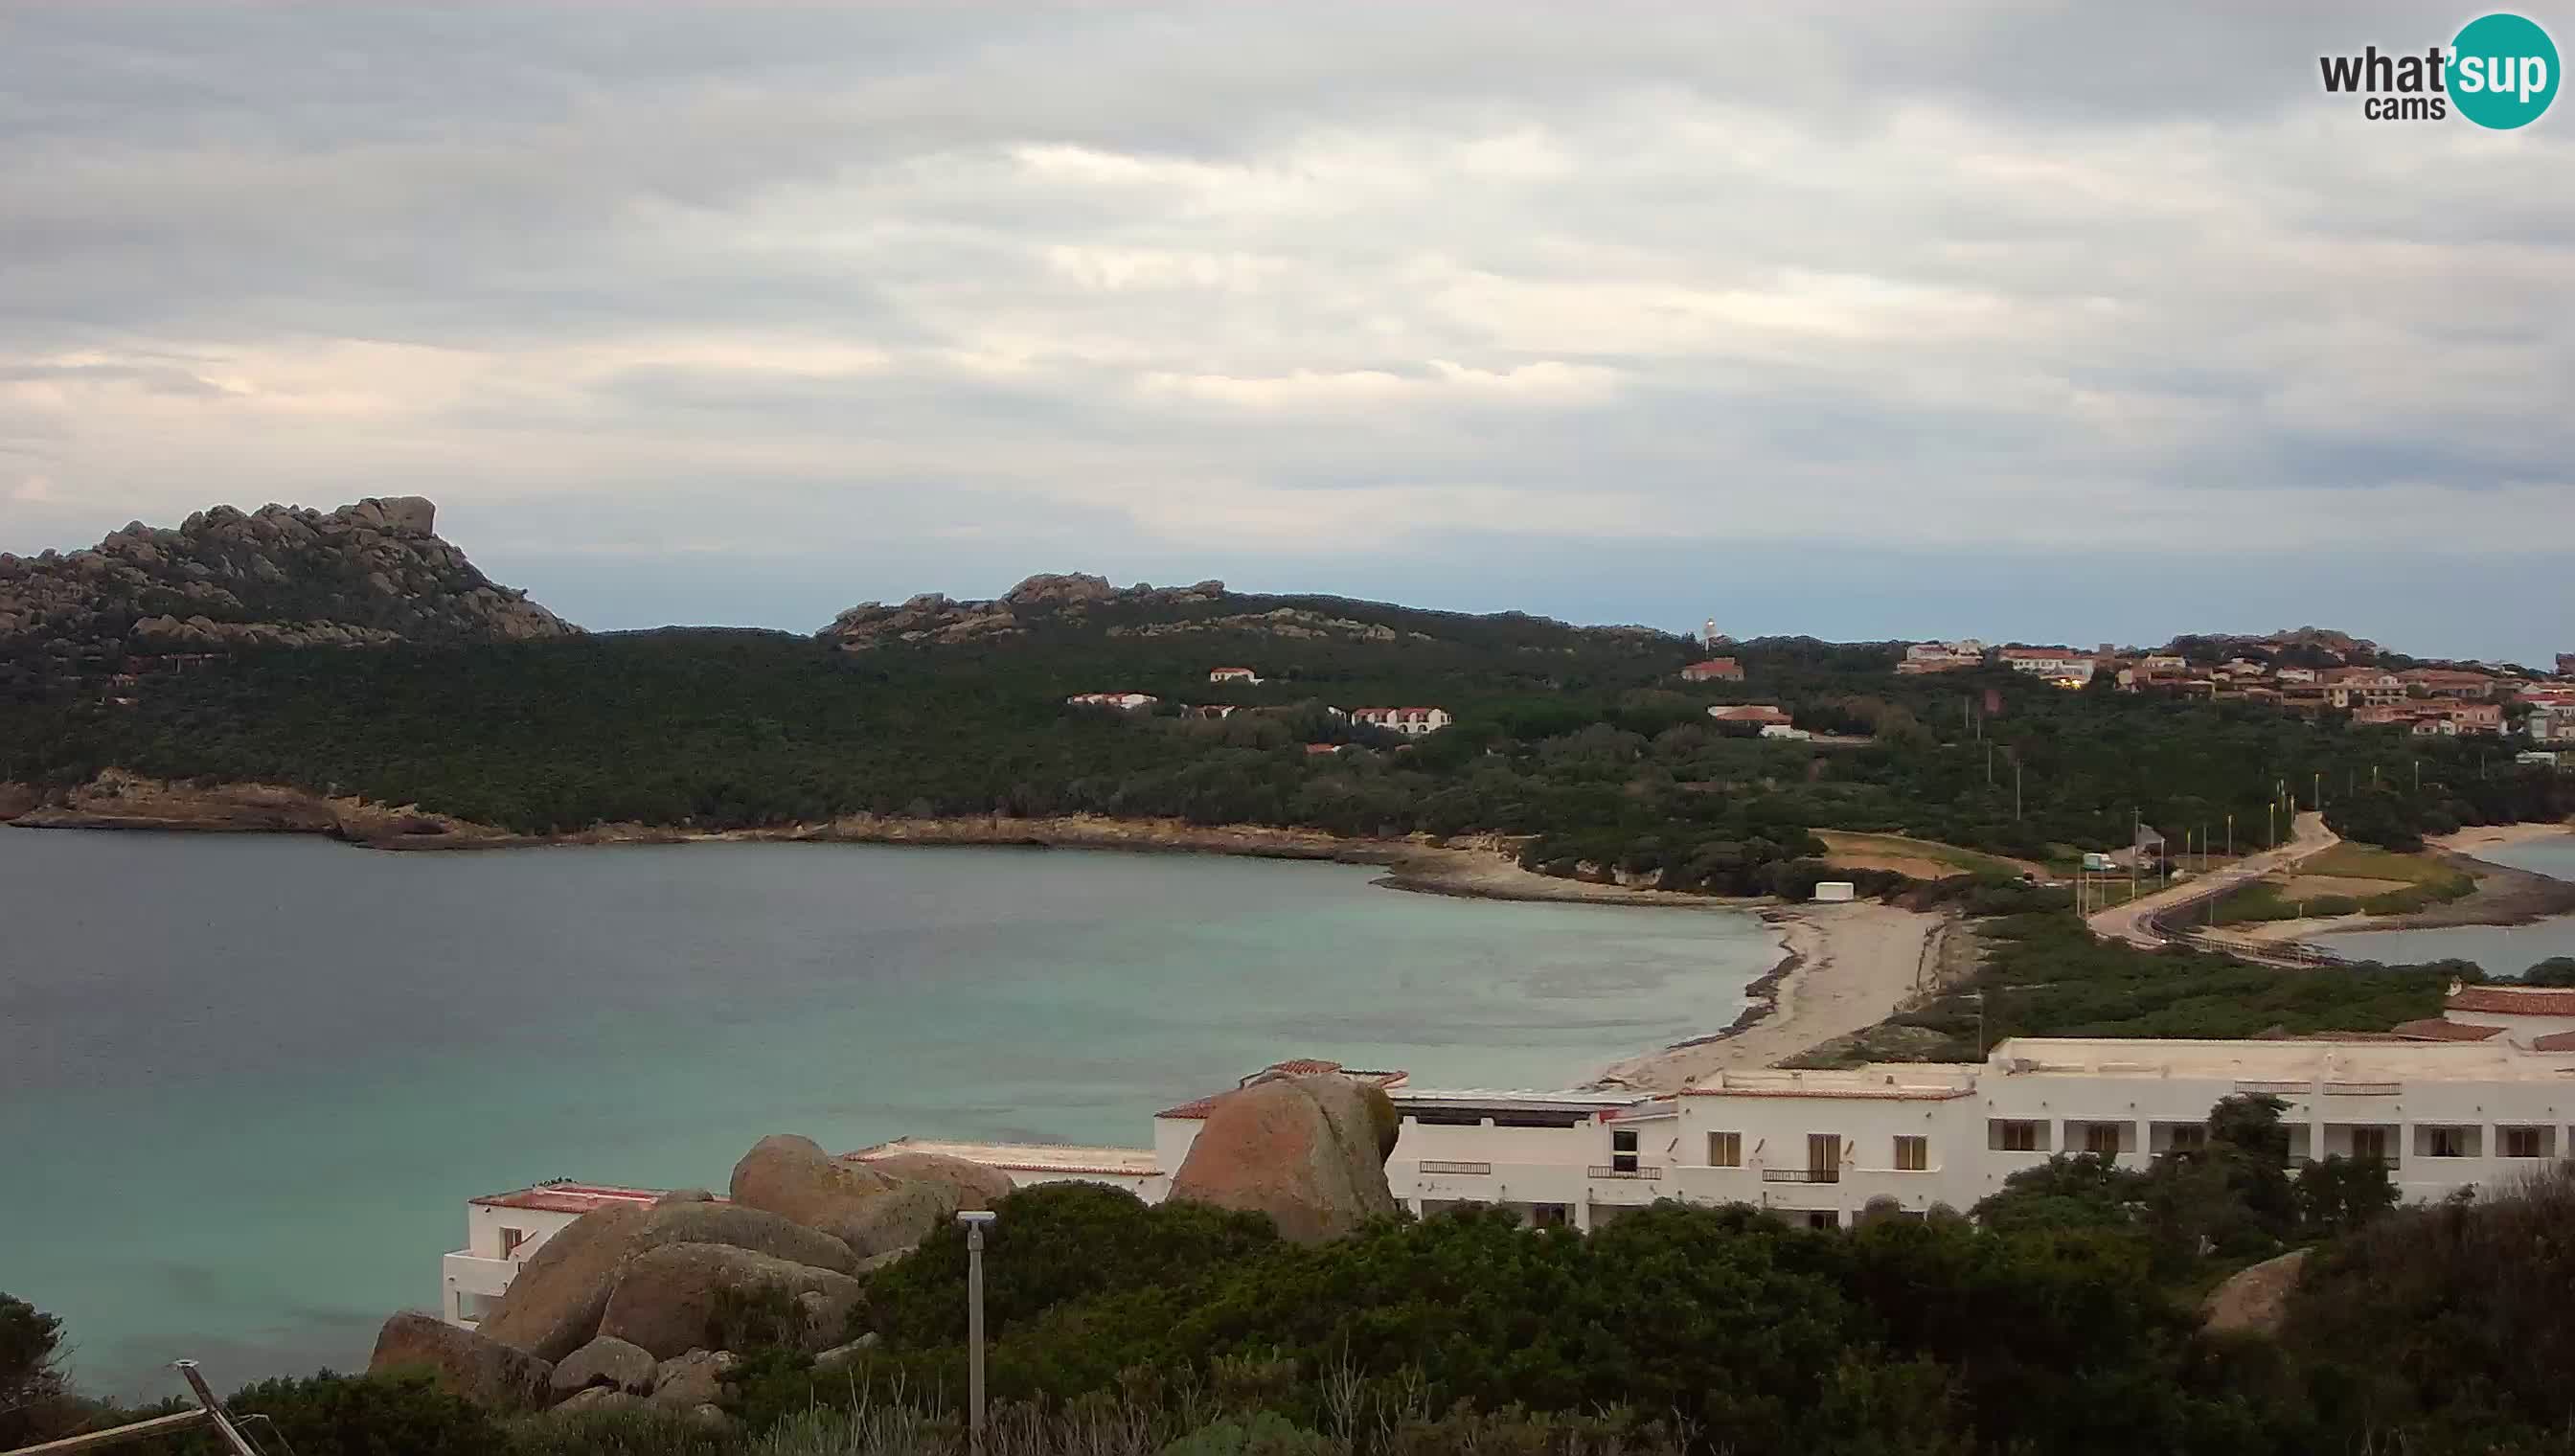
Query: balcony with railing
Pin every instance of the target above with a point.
(1648, 1171)
(1801, 1175)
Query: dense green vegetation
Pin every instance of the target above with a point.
(2043, 974)
(2059, 1317)
(1584, 739)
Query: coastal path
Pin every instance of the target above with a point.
(2137, 922)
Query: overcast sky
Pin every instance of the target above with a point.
(2044, 322)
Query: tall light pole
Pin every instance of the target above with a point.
(976, 1220)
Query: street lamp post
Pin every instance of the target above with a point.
(976, 1220)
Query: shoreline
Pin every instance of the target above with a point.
(1465, 867)
(1843, 968)
(2503, 896)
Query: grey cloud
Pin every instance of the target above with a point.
(1292, 279)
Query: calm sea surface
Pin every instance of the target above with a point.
(247, 1083)
(2501, 949)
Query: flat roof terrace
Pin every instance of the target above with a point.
(1026, 1158)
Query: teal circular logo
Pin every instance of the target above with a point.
(2503, 71)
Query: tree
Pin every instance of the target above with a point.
(32, 1389)
(2556, 970)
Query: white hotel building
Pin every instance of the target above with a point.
(2474, 1099)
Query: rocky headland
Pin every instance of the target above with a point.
(372, 573)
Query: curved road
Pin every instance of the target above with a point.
(2308, 836)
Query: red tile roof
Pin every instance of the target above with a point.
(2555, 1042)
(2433, 1028)
(2514, 1001)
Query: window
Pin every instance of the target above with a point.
(1725, 1149)
(511, 1238)
(2445, 1142)
(2370, 1142)
(2521, 1142)
(2102, 1138)
(1824, 1157)
(1546, 1215)
(1823, 1218)
(2016, 1136)
(1913, 1154)
(2190, 1137)
(474, 1308)
(1622, 1150)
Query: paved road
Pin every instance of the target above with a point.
(2307, 836)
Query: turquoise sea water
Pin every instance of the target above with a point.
(2501, 949)
(247, 1083)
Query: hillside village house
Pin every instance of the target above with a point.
(2363, 687)
(1715, 670)
(2446, 719)
(1124, 701)
(1767, 716)
(2056, 664)
(1942, 657)
(2448, 682)
(2552, 724)
(1232, 675)
(1412, 721)
(2482, 1094)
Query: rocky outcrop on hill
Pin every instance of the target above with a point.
(607, 1361)
(977, 1187)
(552, 1307)
(2254, 1300)
(363, 575)
(472, 1364)
(870, 1211)
(1309, 1150)
(933, 618)
(741, 1227)
(668, 1299)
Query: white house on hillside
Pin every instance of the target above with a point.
(1413, 721)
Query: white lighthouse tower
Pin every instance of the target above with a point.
(1707, 634)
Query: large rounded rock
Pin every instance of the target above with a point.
(465, 1361)
(1310, 1152)
(694, 1379)
(899, 1218)
(977, 1187)
(606, 1361)
(668, 1299)
(2253, 1300)
(553, 1306)
(732, 1224)
(870, 1211)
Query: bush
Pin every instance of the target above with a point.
(1052, 1245)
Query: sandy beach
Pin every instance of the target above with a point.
(1844, 968)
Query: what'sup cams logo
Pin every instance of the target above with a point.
(2500, 72)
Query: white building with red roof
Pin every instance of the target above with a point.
(2056, 664)
(2480, 1096)
(1410, 721)
(503, 1229)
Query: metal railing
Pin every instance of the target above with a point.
(1641, 1171)
(1453, 1165)
(1801, 1175)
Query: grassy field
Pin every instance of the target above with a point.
(2348, 879)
